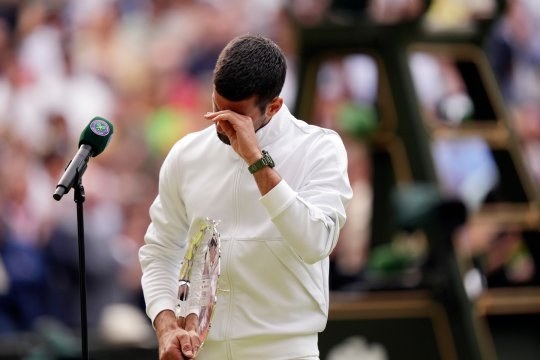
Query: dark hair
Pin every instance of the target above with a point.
(250, 65)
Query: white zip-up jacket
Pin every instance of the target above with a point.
(273, 289)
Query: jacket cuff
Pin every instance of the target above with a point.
(158, 306)
(278, 199)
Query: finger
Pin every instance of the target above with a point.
(172, 356)
(230, 117)
(192, 322)
(227, 128)
(185, 345)
(181, 321)
(192, 327)
(221, 120)
(195, 342)
(210, 115)
(171, 352)
(223, 117)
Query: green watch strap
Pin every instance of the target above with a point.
(266, 160)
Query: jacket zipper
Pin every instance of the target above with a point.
(231, 251)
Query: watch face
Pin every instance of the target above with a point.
(268, 160)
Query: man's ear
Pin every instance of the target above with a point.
(274, 106)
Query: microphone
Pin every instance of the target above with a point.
(93, 140)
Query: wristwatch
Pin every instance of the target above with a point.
(266, 160)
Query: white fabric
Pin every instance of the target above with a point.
(274, 265)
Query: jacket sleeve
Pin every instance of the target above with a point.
(310, 218)
(165, 242)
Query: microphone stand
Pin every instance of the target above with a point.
(79, 197)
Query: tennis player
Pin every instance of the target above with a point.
(279, 186)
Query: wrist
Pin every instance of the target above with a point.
(250, 159)
(165, 321)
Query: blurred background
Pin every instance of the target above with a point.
(438, 102)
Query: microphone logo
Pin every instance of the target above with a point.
(100, 127)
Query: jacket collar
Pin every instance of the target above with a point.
(275, 128)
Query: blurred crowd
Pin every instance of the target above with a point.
(146, 65)
(514, 51)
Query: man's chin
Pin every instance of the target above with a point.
(224, 139)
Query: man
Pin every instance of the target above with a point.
(279, 187)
